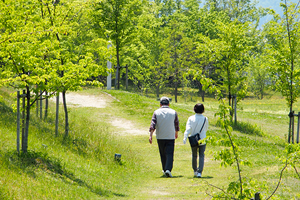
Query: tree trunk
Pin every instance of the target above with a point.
(118, 58)
(176, 91)
(46, 105)
(25, 139)
(291, 132)
(41, 105)
(66, 114)
(23, 116)
(37, 106)
(118, 69)
(201, 92)
(18, 122)
(157, 91)
(57, 112)
(126, 77)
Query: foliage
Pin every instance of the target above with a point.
(59, 46)
(241, 10)
(43, 50)
(258, 73)
(115, 20)
(282, 35)
(293, 157)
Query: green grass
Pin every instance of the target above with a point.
(83, 166)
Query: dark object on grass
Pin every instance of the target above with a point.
(117, 157)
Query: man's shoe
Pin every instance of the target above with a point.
(195, 173)
(168, 173)
(199, 175)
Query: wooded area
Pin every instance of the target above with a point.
(169, 46)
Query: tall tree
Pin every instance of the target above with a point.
(172, 53)
(144, 52)
(116, 20)
(227, 52)
(199, 24)
(283, 35)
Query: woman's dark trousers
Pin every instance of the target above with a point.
(201, 149)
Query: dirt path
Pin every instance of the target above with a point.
(152, 185)
(124, 126)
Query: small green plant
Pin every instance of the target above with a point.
(244, 187)
(293, 157)
(229, 156)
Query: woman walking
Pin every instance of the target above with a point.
(194, 124)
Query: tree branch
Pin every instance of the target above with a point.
(286, 163)
(31, 33)
(220, 190)
(237, 161)
(296, 171)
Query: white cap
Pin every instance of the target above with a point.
(164, 100)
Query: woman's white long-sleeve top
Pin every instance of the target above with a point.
(194, 125)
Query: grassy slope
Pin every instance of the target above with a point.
(82, 167)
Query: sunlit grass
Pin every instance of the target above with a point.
(82, 166)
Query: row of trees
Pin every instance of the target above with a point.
(48, 48)
(175, 42)
(56, 46)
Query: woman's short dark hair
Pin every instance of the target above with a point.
(199, 108)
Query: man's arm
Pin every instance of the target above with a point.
(176, 123)
(152, 127)
(150, 137)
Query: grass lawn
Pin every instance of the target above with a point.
(83, 166)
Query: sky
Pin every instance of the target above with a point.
(273, 4)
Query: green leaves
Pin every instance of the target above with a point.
(282, 36)
(292, 156)
(48, 47)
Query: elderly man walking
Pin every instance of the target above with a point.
(165, 122)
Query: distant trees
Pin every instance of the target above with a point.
(116, 20)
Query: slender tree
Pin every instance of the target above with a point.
(116, 20)
(282, 34)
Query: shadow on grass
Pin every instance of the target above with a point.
(164, 176)
(247, 128)
(206, 177)
(203, 177)
(8, 117)
(31, 161)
